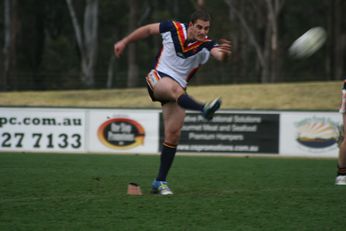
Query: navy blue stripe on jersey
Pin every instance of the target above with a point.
(166, 26)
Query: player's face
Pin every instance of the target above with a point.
(199, 29)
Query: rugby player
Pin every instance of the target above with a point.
(185, 47)
(341, 168)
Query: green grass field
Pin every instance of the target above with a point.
(88, 192)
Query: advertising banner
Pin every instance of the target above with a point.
(67, 130)
(309, 133)
(42, 130)
(130, 131)
(230, 132)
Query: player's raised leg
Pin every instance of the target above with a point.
(168, 88)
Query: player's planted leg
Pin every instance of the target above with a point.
(160, 185)
(166, 160)
(173, 120)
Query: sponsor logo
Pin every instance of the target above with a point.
(121, 133)
(317, 134)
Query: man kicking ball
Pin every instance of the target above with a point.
(185, 47)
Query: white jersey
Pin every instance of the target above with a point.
(178, 58)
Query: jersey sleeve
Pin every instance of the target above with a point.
(210, 45)
(206, 52)
(166, 26)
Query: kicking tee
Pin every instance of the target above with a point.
(179, 58)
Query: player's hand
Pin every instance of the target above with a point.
(119, 48)
(223, 50)
(225, 46)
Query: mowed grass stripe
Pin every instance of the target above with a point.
(278, 96)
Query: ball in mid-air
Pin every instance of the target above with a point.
(308, 43)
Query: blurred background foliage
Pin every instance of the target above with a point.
(41, 50)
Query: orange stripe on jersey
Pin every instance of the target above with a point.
(180, 32)
(193, 46)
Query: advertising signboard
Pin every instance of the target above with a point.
(230, 132)
(130, 131)
(309, 133)
(69, 130)
(42, 130)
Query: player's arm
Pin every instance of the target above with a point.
(138, 34)
(222, 51)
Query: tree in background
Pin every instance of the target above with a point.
(87, 39)
(9, 50)
(132, 76)
(274, 8)
(265, 18)
(42, 48)
(337, 38)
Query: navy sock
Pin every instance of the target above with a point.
(341, 171)
(185, 101)
(166, 160)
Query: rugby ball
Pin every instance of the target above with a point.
(308, 43)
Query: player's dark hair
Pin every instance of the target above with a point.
(200, 14)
